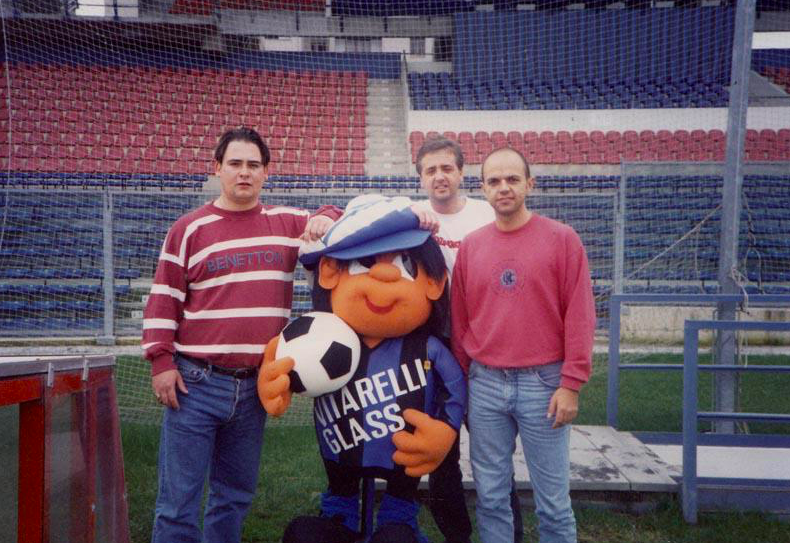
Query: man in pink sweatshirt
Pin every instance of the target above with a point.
(523, 319)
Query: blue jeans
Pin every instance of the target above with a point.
(503, 403)
(217, 432)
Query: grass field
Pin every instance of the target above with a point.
(292, 478)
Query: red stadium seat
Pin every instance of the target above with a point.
(515, 139)
(481, 137)
(664, 135)
(305, 168)
(548, 138)
(630, 137)
(323, 155)
(716, 135)
(577, 158)
(416, 136)
(465, 137)
(646, 136)
(322, 168)
(630, 155)
(613, 136)
(580, 136)
(340, 168)
(664, 154)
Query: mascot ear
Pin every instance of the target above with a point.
(328, 273)
(435, 288)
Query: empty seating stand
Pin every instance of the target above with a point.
(105, 121)
(614, 147)
(443, 91)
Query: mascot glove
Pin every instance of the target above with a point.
(274, 385)
(422, 451)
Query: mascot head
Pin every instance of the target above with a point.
(378, 271)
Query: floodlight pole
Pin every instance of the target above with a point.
(725, 383)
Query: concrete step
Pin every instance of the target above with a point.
(605, 465)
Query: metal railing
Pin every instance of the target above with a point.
(691, 413)
(617, 300)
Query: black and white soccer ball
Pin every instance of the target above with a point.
(325, 351)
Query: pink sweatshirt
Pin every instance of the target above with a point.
(524, 298)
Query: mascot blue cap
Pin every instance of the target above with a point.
(371, 224)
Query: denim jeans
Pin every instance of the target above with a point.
(503, 403)
(217, 432)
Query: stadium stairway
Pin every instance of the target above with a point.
(386, 129)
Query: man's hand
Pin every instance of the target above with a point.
(164, 385)
(316, 227)
(274, 385)
(428, 219)
(422, 451)
(564, 406)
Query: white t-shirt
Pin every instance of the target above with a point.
(453, 227)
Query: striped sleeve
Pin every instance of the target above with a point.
(165, 305)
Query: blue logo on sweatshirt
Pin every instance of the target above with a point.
(508, 278)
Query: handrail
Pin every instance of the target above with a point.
(691, 415)
(616, 301)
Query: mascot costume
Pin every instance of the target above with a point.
(398, 416)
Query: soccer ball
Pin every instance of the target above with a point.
(325, 351)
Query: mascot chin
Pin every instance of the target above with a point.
(398, 416)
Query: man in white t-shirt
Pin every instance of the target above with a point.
(440, 164)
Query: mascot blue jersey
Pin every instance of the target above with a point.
(355, 424)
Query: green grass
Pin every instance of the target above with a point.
(653, 400)
(291, 477)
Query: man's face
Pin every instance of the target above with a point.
(440, 177)
(505, 184)
(241, 175)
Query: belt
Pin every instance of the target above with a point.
(238, 373)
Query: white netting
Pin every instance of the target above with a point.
(110, 110)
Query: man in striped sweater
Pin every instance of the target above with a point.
(223, 288)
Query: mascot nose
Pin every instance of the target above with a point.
(384, 271)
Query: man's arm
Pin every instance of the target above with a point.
(161, 318)
(579, 315)
(579, 333)
(458, 310)
(320, 222)
(429, 220)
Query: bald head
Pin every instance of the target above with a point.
(498, 152)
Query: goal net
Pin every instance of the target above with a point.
(110, 110)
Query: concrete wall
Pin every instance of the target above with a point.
(664, 324)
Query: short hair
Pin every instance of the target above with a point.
(241, 134)
(518, 153)
(439, 143)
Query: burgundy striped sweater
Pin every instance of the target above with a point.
(224, 284)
